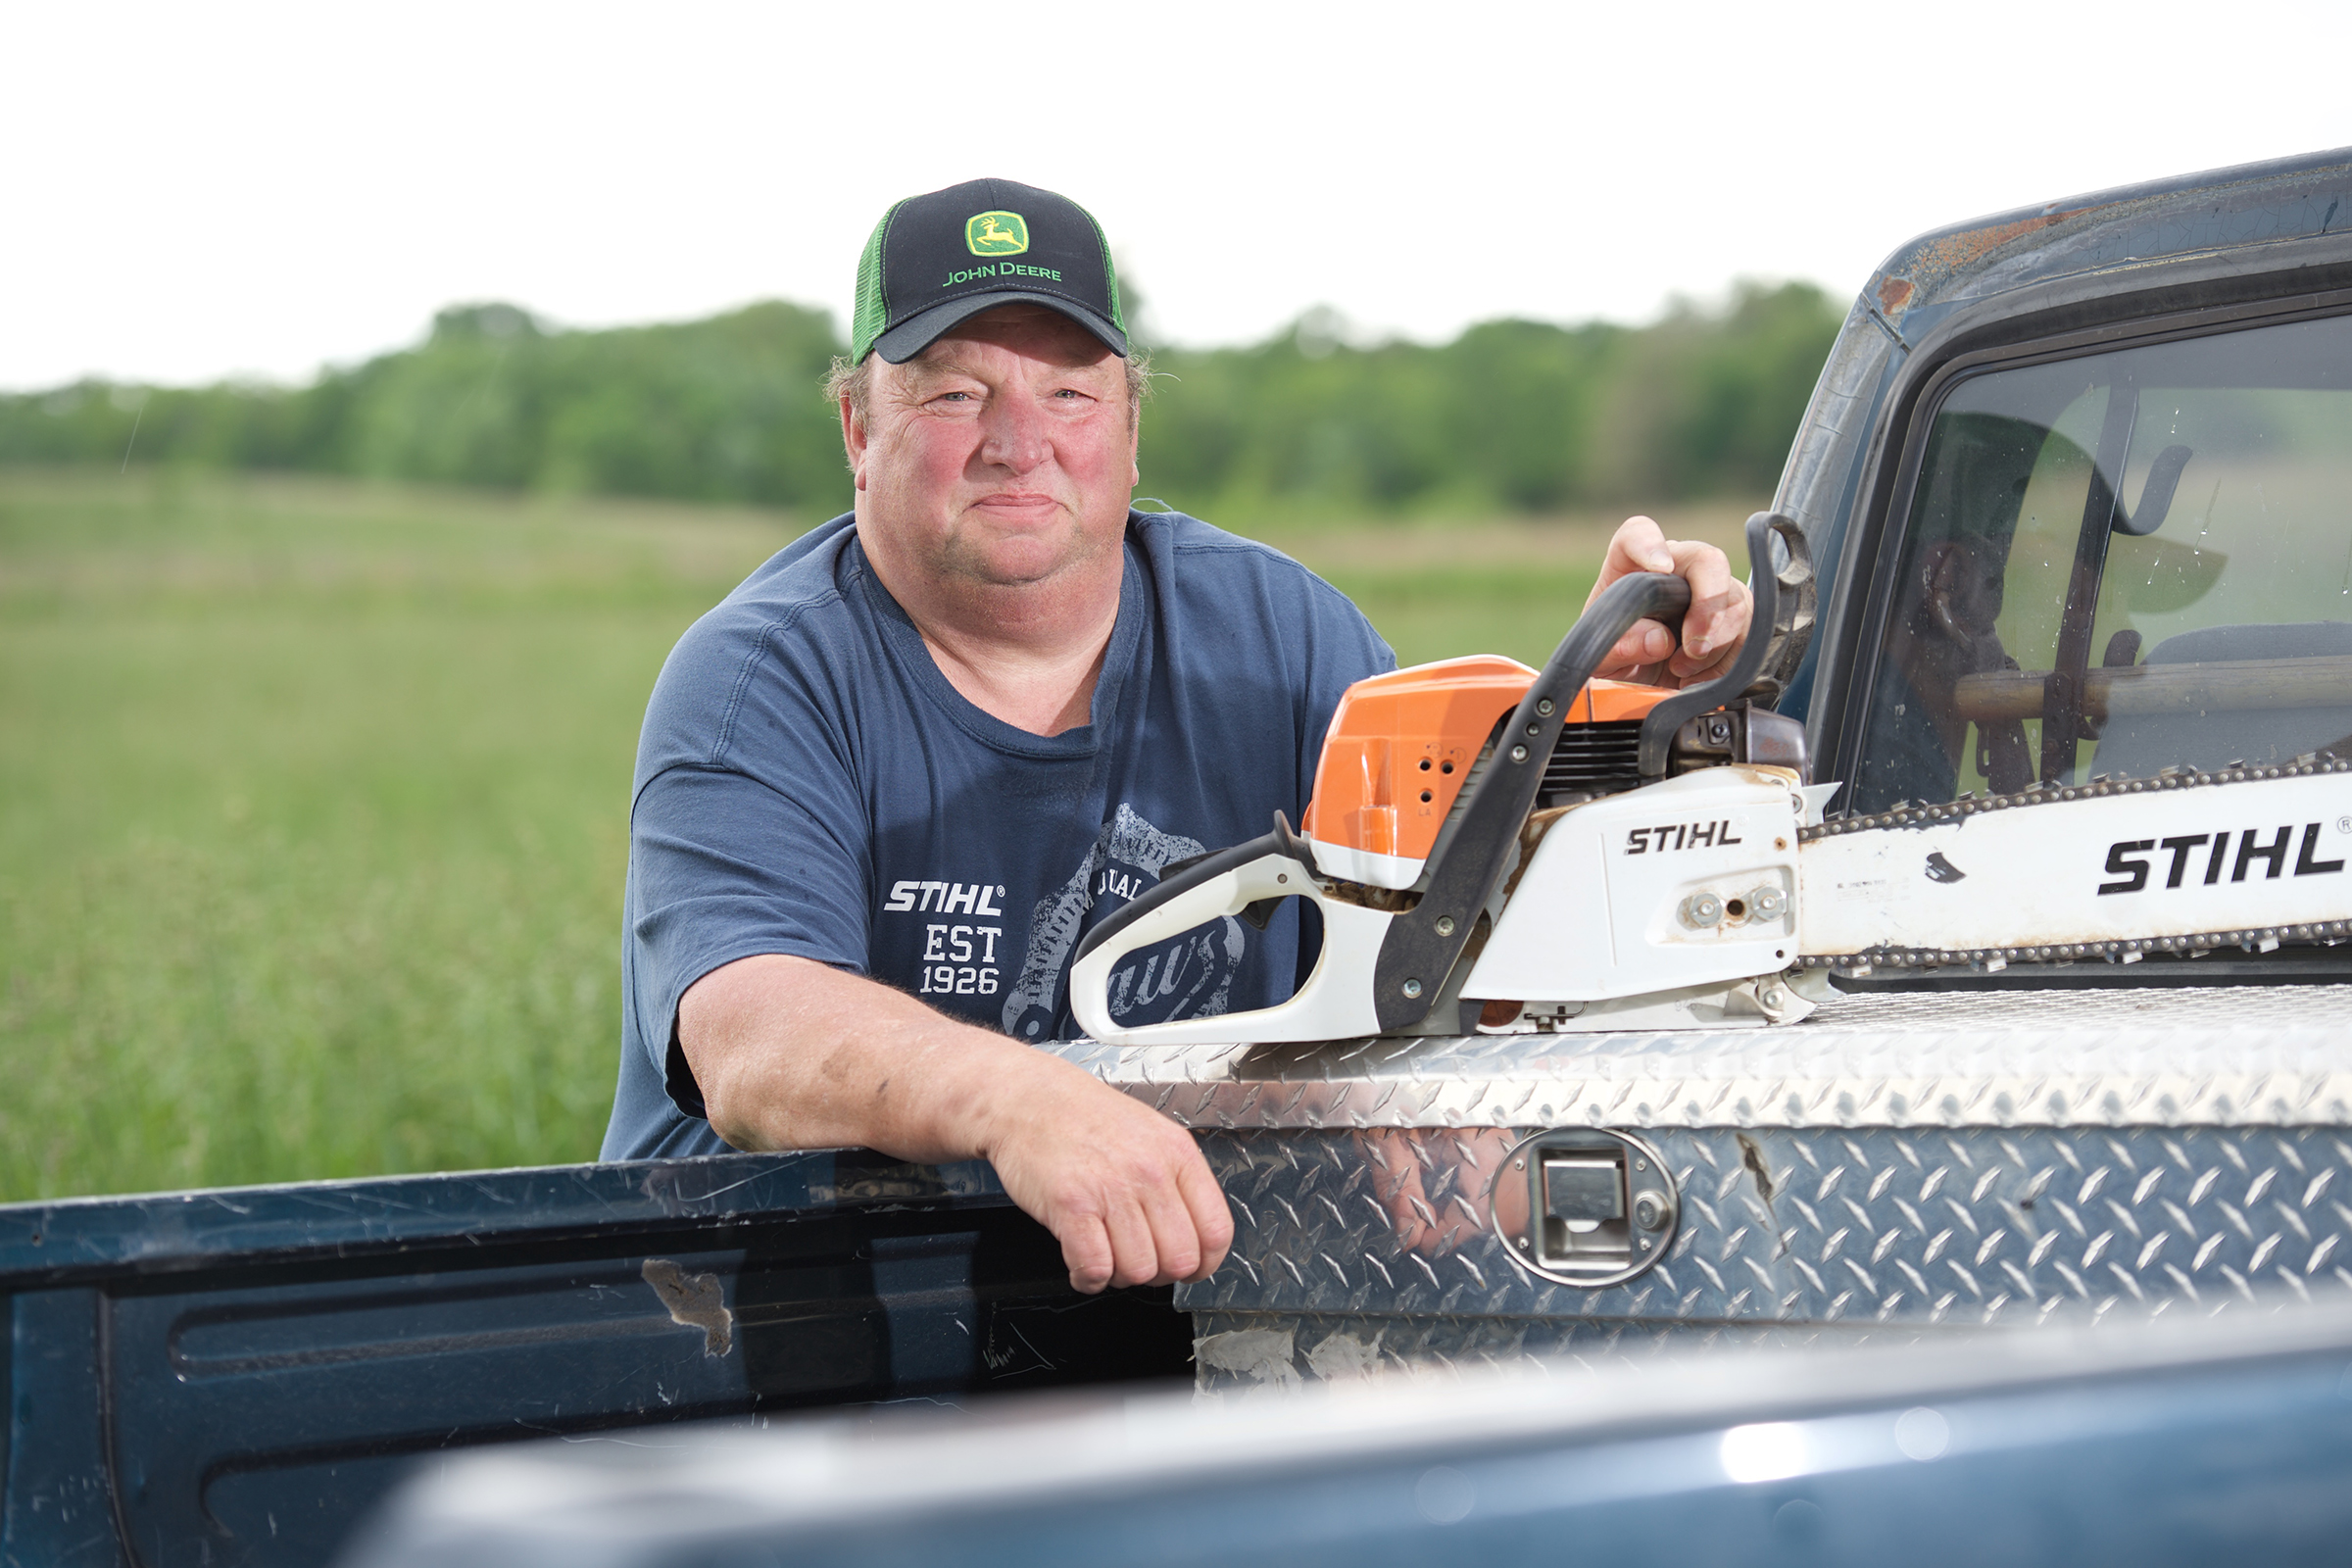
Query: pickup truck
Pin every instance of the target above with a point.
(235, 1377)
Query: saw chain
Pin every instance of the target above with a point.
(1905, 814)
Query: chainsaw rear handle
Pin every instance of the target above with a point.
(1336, 1002)
(1195, 872)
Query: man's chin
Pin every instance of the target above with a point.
(1018, 559)
(1012, 568)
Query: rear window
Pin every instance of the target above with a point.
(2122, 562)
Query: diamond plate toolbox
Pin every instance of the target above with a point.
(1897, 1165)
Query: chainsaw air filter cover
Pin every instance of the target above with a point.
(1403, 744)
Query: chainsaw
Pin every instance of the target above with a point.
(1499, 850)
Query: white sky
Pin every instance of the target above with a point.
(193, 191)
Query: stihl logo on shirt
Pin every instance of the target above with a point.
(1680, 836)
(959, 957)
(2206, 857)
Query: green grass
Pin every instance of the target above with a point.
(1436, 614)
(313, 805)
(312, 821)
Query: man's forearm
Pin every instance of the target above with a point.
(792, 1053)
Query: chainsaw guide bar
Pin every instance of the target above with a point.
(1991, 959)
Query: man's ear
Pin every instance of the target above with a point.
(853, 442)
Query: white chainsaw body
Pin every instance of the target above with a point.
(1611, 903)
(1600, 930)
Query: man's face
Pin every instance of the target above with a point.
(1963, 580)
(1003, 454)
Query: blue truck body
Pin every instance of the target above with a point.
(2190, 1443)
(236, 1376)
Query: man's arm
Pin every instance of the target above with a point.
(1713, 629)
(792, 1053)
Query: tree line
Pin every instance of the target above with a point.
(1513, 416)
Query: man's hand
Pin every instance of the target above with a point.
(790, 1054)
(1713, 629)
(1121, 1187)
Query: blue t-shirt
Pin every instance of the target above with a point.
(808, 783)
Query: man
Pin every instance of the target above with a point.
(1947, 606)
(884, 788)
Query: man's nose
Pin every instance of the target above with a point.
(1013, 433)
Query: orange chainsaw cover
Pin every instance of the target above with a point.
(1401, 745)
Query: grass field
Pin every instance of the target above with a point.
(314, 803)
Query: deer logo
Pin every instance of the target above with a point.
(996, 234)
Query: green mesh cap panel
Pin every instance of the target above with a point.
(871, 313)
(1110, 274)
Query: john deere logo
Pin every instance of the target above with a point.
(996, 234)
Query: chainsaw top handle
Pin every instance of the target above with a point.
(1422, 943)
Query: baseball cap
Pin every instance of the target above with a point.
(939, 259)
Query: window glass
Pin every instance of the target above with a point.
(2122, 562)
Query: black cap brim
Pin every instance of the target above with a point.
(916, 333)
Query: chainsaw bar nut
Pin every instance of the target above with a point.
(1769, 902)
(1702, 910)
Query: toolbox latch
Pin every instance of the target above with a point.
(1581, 1206)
